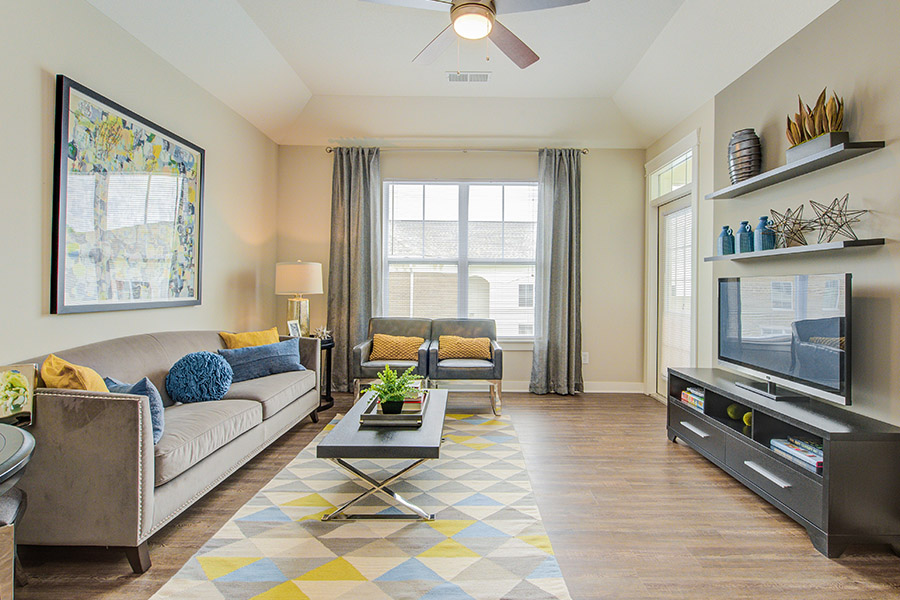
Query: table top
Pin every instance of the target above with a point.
(16, 446)
(350, 440)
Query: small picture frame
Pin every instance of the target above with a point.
(17, 393)
(293, 328)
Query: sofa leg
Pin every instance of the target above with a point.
(138, 557)
(496, 404)
(314, 415)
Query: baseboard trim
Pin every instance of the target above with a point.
(590, 387)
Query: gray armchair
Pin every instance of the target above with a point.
(468, 368)
(365, 371)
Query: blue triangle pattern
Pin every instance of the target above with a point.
(261, 570)
(477, 500)
(446, 591)
(270, 514)
(480, 529)
(546, 570)
(410, 570)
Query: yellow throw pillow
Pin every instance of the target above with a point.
(61, 374)
(250, 338)
(453, 346)
(395, 347)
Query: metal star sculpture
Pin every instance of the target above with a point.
(322, 333)
(835, 219)
(789, 227)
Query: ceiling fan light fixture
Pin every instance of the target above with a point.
(472, 21)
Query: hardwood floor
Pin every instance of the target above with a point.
(630, 515)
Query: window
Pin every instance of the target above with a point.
(456, 249)
(675, 174)
(782, 295)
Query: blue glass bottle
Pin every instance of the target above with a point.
(763, 236)
(744, 240)
(725, 244)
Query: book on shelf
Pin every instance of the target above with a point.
(698, 392)
(796, 451)
(814, 447)
(797, 461)
(692, 400)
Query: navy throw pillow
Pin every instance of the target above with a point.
(259, 361)
(144, 387)
(198, 377)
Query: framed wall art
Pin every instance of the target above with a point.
(128, 208)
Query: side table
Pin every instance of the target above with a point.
(326, 401)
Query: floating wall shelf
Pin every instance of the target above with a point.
(811, 163)
(799, 250)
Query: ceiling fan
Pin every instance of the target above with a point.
(476, 19)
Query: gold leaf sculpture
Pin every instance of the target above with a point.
(826, 116)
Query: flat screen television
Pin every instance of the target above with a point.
(792, 330)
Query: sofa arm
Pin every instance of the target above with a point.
(310, 354)
(90, 480)
(423, 359)
(497, 357)
(361, 353)
(433, 346)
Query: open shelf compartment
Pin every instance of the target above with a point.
(767, 428)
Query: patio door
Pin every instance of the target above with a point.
(674, 335)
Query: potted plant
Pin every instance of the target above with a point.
(392, 389)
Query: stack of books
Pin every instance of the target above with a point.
(802, 452)
(693, 397)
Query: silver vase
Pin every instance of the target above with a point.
(744, 155)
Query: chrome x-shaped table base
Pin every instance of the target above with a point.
(382, 488)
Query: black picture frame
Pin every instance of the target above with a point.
(127, 208)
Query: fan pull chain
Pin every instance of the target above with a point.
(457, 56)
(487, 51)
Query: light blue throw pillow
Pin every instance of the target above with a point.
(144, 387)
(198, 377)
(259, 361)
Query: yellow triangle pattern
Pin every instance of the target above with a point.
(283, 591)
(541, 542)
(450, 527)
(477, 446)
(449, 548)
(219, 566)
(459, 438)
(309, 500)
(337, 570)
(318, 516)
(459, 417)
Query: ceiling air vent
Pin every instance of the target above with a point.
(468, 76)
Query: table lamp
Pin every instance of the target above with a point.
(294, 279)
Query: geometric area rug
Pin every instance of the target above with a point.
(487, 541)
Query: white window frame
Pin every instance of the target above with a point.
(463, 261)
(690, 142)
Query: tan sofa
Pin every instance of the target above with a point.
(96, 479)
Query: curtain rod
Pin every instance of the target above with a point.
(330, 149)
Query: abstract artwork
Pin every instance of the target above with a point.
(128, 199)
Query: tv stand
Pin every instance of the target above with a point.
(770, 390)
(852, 500)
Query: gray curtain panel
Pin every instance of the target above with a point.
(354, 272)
(556, 366)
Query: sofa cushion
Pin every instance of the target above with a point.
(370, 368)
(249, 338)
(198, 377)
(254, 362)
(275, 391)
(466, 363)
(194, 431)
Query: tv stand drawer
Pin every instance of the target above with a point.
(695, 428)
(796, 491)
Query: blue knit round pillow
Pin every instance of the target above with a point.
(199, 376)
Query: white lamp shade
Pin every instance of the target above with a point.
(298, 278)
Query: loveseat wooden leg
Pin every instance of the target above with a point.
(496, 403)
(138, 557)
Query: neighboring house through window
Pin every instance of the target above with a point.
(461, 249)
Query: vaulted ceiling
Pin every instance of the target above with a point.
(613, 73)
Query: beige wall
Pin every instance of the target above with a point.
(862, 66)
(39, 40)
(612, 225)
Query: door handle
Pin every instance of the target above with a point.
(776, 480)
(690, 427)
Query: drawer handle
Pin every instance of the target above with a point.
(690, 427)
(776, 480)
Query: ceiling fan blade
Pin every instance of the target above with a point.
(512, 46)
(443, 5)
(513, 6)
(436, 47)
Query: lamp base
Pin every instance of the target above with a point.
(298, 309)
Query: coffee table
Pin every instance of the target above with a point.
(349, 440)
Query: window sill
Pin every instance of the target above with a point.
(516, 344)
